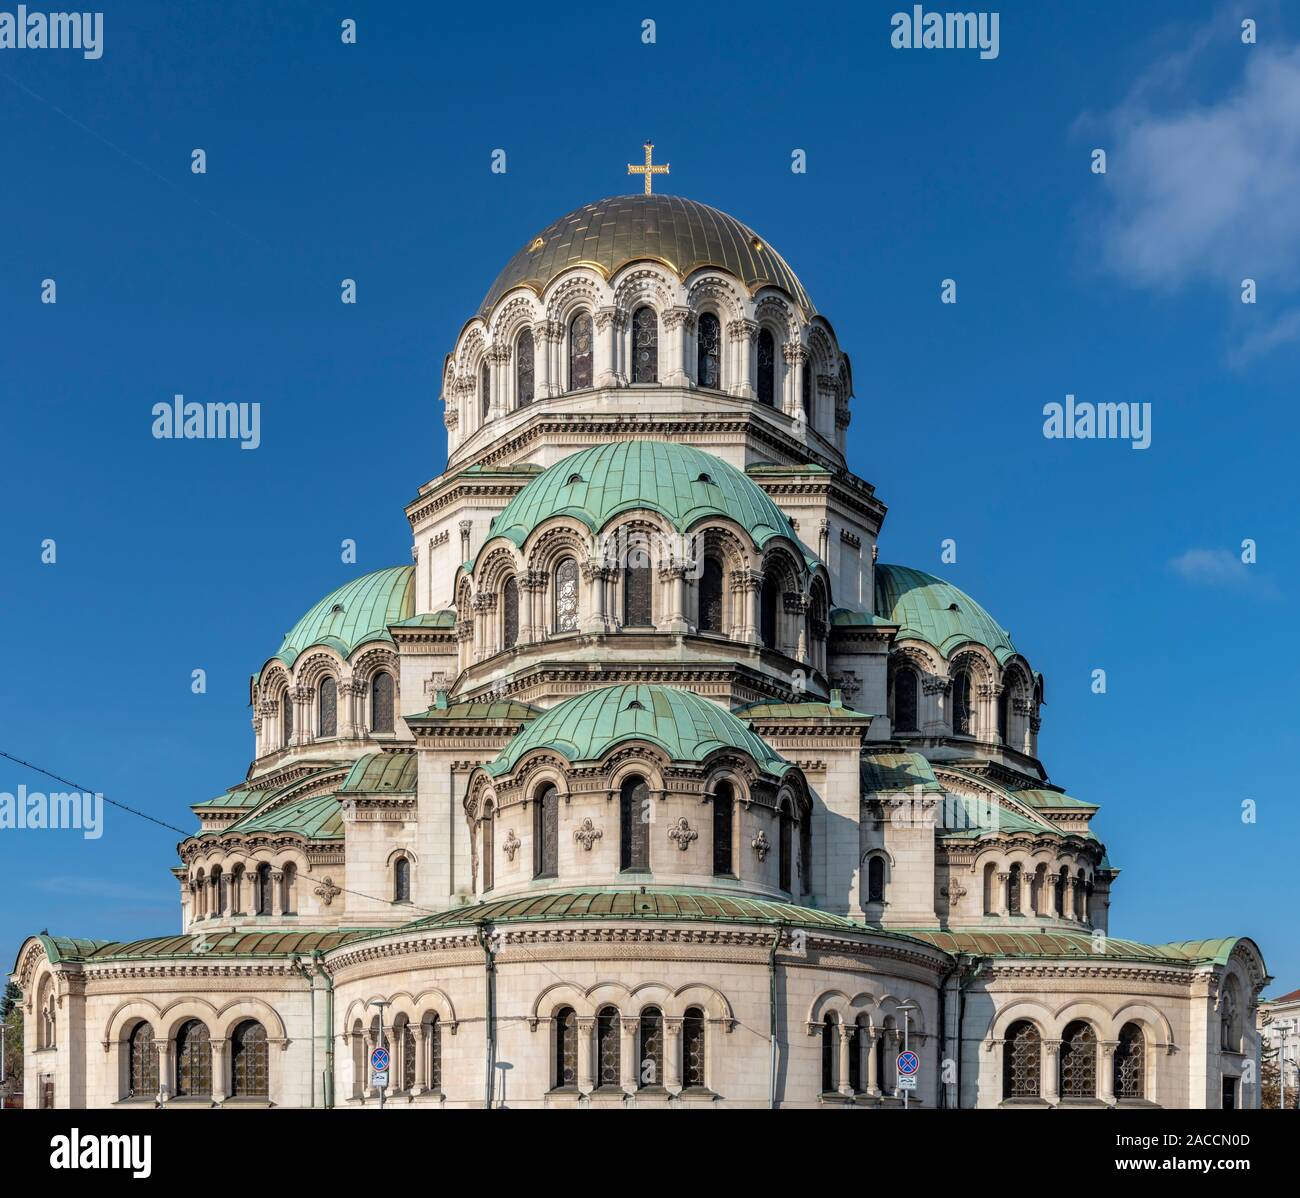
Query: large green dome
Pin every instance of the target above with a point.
(681, 483)
(359, 611)
(686, 726)
(679, 233)
(928, 609)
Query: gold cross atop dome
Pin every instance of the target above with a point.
(649, 170)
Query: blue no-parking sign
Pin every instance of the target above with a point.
(908, 1063)
(379, 1060)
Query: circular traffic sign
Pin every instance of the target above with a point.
(908, 1063)
(379, 1060)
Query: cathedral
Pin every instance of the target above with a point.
(646, 782)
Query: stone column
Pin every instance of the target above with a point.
(1004, 893)
(607, 361)
(421, 1063)
(742, 336)
(846, 1050)
(165, 1079)
(630, 1067)
(1051, 1080)
(796, 403)
(1067, 898)
(746, 587)
(586, 1053)
(674, 579)
(1106, 1078)
(219, 1058)
(891, 1069)
(277, 892)
(873, 1058)
(541, 360)
(673, 1054)
(679, 323)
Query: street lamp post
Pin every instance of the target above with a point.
(381, 1004)
(907, 1008)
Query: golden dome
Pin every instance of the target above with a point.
(679, 233)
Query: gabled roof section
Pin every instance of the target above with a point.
(928, 609)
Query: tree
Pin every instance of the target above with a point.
(11, 1016)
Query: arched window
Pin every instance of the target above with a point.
(142, 1080)
(1022, 1061)
(220, 888)
(565, 1072)
(876, 879)
(248, 1061)
(488, 836)
(638, 606)
(404, 1034)
(433, 1052)
(580, 341)
(193, 1061)
(784, 852)
(711, 596)
(327, 708)
(608, 1059)
(769, 598)
(650, 1066)
(805, 854)
(1131, 1063)
(264, 890)
(708, 353)
(1013, 890)
(1061, 882)
(1230, 1018)
(809, 392)
(634, 824)
(566, 596)
(381, 702)
(766, 367)
(645, 345)
(905, 705)
(524, 367)
(961, 710)
(855, 1057)
(1078, 1061)
(991, 903)
(286, 719)
(546, 832)
(509, 613)
(402, 879)
(288, 888)
(830, 1053)
(693, 1049)
(1004, 704)
(484, 390)
(723, 820)
(358, 1058)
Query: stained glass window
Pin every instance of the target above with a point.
(484, 390)
(1004, 702)
(905, 701)
(1079, 1061)
(809, 391)
(381, 702)
(264, 889)
(193, 1061)
(286, 719)
(1022, 1061)
(489, 871)
(637, 586)
(723, 814)
(144, 1063)
(566, 596)
(608, 1061)
(566, 1048)
(580, 342)
(768, 600)
(546, 833)
(328, 708)
(1013, 891)
(524, 368)
(961, 713)
(784, 851)
(711, 596)
(708, 357)
(433, 1047)
(248, 1061)
(766, 368)
(509, 613)
(634, 824)
(402, 880)
(1130, 1063)
(645, 346)
(693, 1048)
(876, 880)
(650, 1066)
(408, 1056)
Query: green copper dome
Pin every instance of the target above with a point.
(359, 611)
(685, 726)
(681, 483)
(928, 609)
(679, 233)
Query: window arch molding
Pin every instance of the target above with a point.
(710, 368)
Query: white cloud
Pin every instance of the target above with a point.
(1223, 569)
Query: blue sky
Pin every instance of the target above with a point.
(371, 161)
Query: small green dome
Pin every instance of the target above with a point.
(686, 726)
(928, 609)
(359, 611)
(681, 483)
